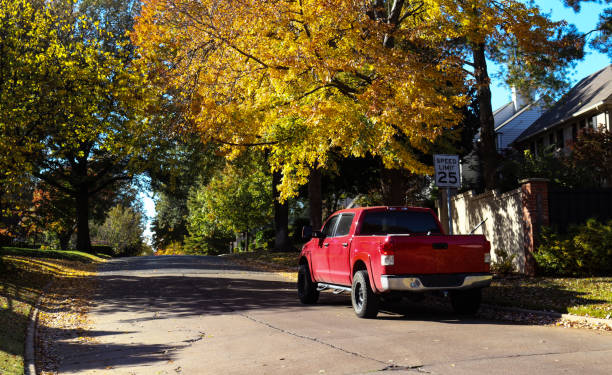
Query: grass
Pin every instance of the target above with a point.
(580, 296)
(52, 254)
(22, 279)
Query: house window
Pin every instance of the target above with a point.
(593, 122)
(560, 139)
(540, 147)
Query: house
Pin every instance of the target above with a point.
(586, 105)
(511, 120)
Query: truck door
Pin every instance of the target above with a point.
(338, 251)
(319, 254)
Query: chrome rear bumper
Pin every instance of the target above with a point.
(416, 284)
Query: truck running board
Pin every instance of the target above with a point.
(337, 288)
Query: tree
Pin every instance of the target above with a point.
(535, 52)
(300, 78)
(603, 31)
(27, 40)
(236, 200)
(52, 212)
(88, 135)
(592, 153)
(182, 164)
(384, 78)
(123, 230)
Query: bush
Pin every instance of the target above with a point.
(585, 251)
(504, 262)
(264, 239)
(214, 243)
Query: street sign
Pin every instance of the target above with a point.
(447, 171)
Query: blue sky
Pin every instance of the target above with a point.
(585, 21)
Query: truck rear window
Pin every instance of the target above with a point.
(398, 222)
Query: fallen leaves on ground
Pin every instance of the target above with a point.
(63, 315)
(22, 281)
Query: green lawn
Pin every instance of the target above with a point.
(52, 254)
(22, 279)
(579, 296)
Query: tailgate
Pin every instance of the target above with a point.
(416, 254)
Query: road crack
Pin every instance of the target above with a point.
(313, 339)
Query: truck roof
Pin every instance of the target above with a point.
(382, 208)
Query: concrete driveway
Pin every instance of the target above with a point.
(201, 315)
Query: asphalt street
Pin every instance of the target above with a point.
(202, 315)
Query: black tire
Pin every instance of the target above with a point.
(307, 289)
(365, 301)
(466, 302)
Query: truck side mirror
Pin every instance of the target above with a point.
(308, 233)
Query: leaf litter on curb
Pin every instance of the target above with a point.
(63, 315)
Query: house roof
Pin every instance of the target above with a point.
(510, 123)
(514, 126)
(587, 94)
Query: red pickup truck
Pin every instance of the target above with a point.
(392, 251)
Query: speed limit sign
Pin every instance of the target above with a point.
(447, 171)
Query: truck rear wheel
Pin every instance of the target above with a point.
(365, 301)
(466, 302)
(307, 289)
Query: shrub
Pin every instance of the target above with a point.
(504, 262)
(585, 251)
(264, 239)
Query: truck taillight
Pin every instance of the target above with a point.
(387, 258)
(386, 247)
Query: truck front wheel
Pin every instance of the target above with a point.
(466, 302)
(307, 289)
(365, 301)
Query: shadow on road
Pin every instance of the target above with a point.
(206, 287)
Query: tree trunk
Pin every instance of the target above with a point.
(82, 210)
(315, 198)
(64, 240)
(246, 241)
(488, 151)
(281, 218)
(392, 187)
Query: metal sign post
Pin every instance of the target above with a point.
(449, 209)
(447, 176)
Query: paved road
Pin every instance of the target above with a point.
(200, 315)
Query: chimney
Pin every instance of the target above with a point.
(518, 99)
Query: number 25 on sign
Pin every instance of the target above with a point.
(447, 171)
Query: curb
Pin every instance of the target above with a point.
(556, 315)
(29, 355)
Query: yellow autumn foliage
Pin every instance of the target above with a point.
(302, 77)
